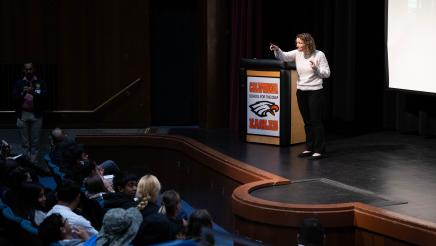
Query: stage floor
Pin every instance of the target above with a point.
(390, 170)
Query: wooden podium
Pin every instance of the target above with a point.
(269, 109)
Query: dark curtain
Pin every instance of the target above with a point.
(245, 41)
(350, 33)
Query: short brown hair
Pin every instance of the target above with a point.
(308, 41)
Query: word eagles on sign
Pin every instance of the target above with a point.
(269, 125)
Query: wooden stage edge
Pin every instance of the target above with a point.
(258, 212)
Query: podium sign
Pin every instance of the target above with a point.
(263, 101)
(269, 110)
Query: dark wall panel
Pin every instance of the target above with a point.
(97, 49)
(174, 71)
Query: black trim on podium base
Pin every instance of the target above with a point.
(285, 111)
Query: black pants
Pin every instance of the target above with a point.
(311, 105)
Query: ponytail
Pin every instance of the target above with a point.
(143, 203)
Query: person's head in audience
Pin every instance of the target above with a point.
(120, 226)
(18, 176)
(68, 194)
(75, 154)
(125, 183)
(29, 199)
(147, 191)
(198, 220)
(311, 233)
(155, 228)
(170, 204)
(79, 166)
(55, 228)
(34, 196)
(57, 136)
(94, 185)
(5, 149)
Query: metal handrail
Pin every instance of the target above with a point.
(109, 100)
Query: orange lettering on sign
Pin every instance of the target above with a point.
(267, 88)
(270, 125)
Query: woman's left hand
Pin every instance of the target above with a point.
(312, 64)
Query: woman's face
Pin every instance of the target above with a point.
(41, 198)
(301, 46)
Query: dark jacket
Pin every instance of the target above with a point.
(58, 151)
(118, 200)
(155, 228)
(39, 93)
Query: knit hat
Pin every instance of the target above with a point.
(119, 227)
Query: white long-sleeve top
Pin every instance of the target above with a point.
(73, 218)
(308, 79)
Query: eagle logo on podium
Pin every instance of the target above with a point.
(262, 108)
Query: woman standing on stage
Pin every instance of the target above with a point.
(312, 68)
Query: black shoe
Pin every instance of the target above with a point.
(317, 157)
(305, 154)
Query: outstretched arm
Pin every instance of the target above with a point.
(283, 56)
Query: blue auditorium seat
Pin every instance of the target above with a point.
(2, 204)
(55, 244)
(47, 182)
(8, 214)
(28, 227)
(178, 243)
(46, 157)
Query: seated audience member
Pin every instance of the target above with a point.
(198, 220)
(124, 185)
(6, 163)
(31, 203)
(311, 233)
(10, 161)
(5, 149)
(56, 229)
(171, 207)
(120, 227)
(147, 193)
(77, 166)
(95, 187)
(59, 143)
(155, 227)
(18, 176)
(68, 195)
(15, 180)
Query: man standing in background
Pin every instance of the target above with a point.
(29, 96)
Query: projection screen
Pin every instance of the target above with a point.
(411, 45)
